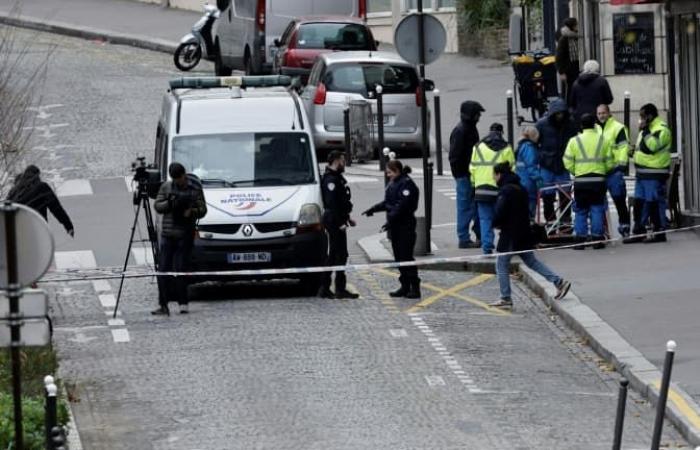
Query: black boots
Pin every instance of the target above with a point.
(400, 292)
(410, 290)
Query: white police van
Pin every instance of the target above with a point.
(250, 143)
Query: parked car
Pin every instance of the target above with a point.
(339, 77)
(246, 30)
(306, 38)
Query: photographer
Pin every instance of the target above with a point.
(181, 202)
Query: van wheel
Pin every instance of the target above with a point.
(220, 68)
(249, 69)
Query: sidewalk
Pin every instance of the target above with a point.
(629, 300)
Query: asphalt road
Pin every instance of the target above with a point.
(262, 366)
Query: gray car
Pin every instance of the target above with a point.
(337, 78)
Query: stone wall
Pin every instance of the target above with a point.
(489, 43)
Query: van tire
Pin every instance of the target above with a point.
(220, 68)
(248, 64)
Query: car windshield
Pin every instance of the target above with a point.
(340, 36)
(246, 159)
(362, 78)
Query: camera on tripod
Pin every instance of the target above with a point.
(146, 176)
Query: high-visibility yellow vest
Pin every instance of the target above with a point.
(588, 157)
(620, 150)
(652, 157)
(481, 169)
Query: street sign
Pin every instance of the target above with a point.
(35, 333)
(34, 303)
(34, 247)
(407, 37)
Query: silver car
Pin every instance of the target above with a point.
(340, 77)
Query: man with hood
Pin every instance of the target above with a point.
(556, 128)
(489, 152)
(568, 62)
(463, 138)
(512, 217)
(589, 90)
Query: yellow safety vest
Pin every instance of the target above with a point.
(481, 169)
(652, 157)
(588, 157)
(611, 131)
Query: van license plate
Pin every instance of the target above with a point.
(253, 257)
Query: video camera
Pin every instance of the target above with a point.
(147, 176)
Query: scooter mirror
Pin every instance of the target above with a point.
(222, 4)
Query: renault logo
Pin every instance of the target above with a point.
(247, 230)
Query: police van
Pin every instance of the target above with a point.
(249, 142)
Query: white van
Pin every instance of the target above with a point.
(246, 30)
(253, 151)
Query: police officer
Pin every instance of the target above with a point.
(652, 161)
(489, 152)
(588, 157)
(400, 203)
(618, 137)
(336, 219)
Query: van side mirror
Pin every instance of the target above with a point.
(277, 43)
(222, 4)
(516, 33)
(428, 85)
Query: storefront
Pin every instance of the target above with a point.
(685, 20)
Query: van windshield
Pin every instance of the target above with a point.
(338, 36)
(362, 78)
(246, 159)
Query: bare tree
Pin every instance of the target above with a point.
(21, 82)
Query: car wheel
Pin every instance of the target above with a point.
(249, 70)
(219, 67)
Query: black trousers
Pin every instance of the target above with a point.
(337, 256)
(549, 213)
(175, 256)
(403, 239)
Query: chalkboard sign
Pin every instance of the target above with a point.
(633, 38)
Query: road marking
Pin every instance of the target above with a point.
(107, 300)
(434, 380)
(681, 404)
(143, 256)
(398, 333)
(41, 110)
(115, 322)
(81, 259)
(101, 286)
(448, 292)
(70, 188)
(120, 335)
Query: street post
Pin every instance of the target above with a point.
(627, 110)
(380, 122)
(438, 131)
(424, 115)
(620, 417)
(663, 395)
(346, 127)
(509, 112)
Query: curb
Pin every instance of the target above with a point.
(681, 410)
(67, 29)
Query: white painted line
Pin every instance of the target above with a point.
(444, 353)
(476, 391)
(413, 315)
(423, 327)
(142, 256)
(120, 335)
(108, 300)
(110, 313)
(81, 259)
(398, 333)
(440, 348)
(70, 188)
(115, 322)
(433, 339)
(460, 372)
(101, 286)
(434, 380)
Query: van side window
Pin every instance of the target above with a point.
(244, 8)
(159, 138)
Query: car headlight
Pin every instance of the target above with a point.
(309, 218)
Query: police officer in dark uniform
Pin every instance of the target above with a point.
(400, 203)
(336, 219)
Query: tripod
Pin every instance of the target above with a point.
(142, 203)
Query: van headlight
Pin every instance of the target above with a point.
(309, 218)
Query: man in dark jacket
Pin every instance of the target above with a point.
(556, 128)
(336, 219)
(589, 90)
(568, 61)
(181, 202)
(512, 217)
(462, 141)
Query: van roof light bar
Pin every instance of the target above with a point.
(242, 82)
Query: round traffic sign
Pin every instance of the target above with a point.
(34, 244)
(406, 38)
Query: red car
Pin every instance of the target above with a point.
(306, 38)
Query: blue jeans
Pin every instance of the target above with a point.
(596, 212)
(486, 224)
(653, 193)
(502, 263)
(616, 184)
(466, 208)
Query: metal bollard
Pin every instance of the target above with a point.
(51, 414)
(380, 121)
(438, 132)
(346, 127)
(509, 112)
(620, 418)
(385, 157)
(663, 395)
(627, 109)
(428, 207)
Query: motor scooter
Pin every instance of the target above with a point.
(199, 43)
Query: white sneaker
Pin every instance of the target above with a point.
(184, 309)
